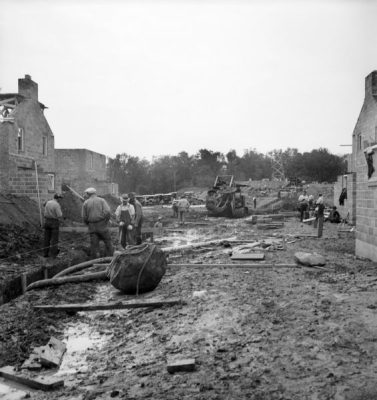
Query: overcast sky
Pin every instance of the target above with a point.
(151, 78)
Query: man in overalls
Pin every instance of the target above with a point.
(125, 216)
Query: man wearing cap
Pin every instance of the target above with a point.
(125, 216)
(96, 215)
(53, 214)
(138, 222)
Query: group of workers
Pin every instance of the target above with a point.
(96, 215)
(307, 206)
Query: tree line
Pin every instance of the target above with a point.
(172, 173)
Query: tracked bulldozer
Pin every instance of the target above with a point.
(225, 199)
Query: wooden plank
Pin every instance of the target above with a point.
(247, 256)
(80, 229)
(186, 365)
(109, 306)
(246, 266)
(40, 382)
(52, 353)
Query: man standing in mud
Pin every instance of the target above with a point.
(183, 207)
(138, 222)
(303, 202)
(53, 214)
(96, 215)
(125, 216)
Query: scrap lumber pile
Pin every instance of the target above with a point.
(48, 356)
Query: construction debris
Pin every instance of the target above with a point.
(187, 365)
(247, 256)
(310, 259)
(45, 382)
(110, 306)
(49, 356)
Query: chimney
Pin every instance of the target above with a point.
(371, 84)
(28, 88)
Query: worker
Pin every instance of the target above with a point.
(319, 214)
(311, 201)
(53, 215)
(175, 208)
(125, 216)
(183, 207)
(334, 216)
(158, 227)
(255, 202)
(96, 215)
(139, 218)
(303, 202)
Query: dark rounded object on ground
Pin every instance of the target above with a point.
(138, 269)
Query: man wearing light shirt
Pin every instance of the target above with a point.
(125, 216)
(53, 214)
(303, 202)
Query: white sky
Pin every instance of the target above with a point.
(158, 77)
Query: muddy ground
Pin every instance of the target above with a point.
(297, 333)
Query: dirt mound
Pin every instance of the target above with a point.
(71, 206)
(16, 240)
(112, 201)
(18, 210)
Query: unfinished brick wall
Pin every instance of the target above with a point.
(82, 168)
(364, 139)
(348, 210)
(17, 166)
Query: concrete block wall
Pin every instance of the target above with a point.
(5, 128)
(347, 181)
(365, 135)
(82, 168)
(29, 116)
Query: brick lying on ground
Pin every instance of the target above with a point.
(186, 365)
(109, 306)
(39, 382)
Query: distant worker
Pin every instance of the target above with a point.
(174, 206)
(183, 207)
(53, 215)
(255, 202)
(158, 226)
(303, 202)
(311, 201)
(319, 214)
(125, 216)
(334, 216)
(96, 215)
(139, 218)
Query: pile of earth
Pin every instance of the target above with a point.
(16, 240)
(18, 210)
(71, 206)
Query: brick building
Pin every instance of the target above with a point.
(27, 164)
(82, 168)
(364, 158)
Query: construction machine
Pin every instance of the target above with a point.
(225, 199)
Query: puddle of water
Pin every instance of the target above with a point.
(12, 391)
(79, 339)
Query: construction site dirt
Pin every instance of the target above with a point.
(273, 330)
